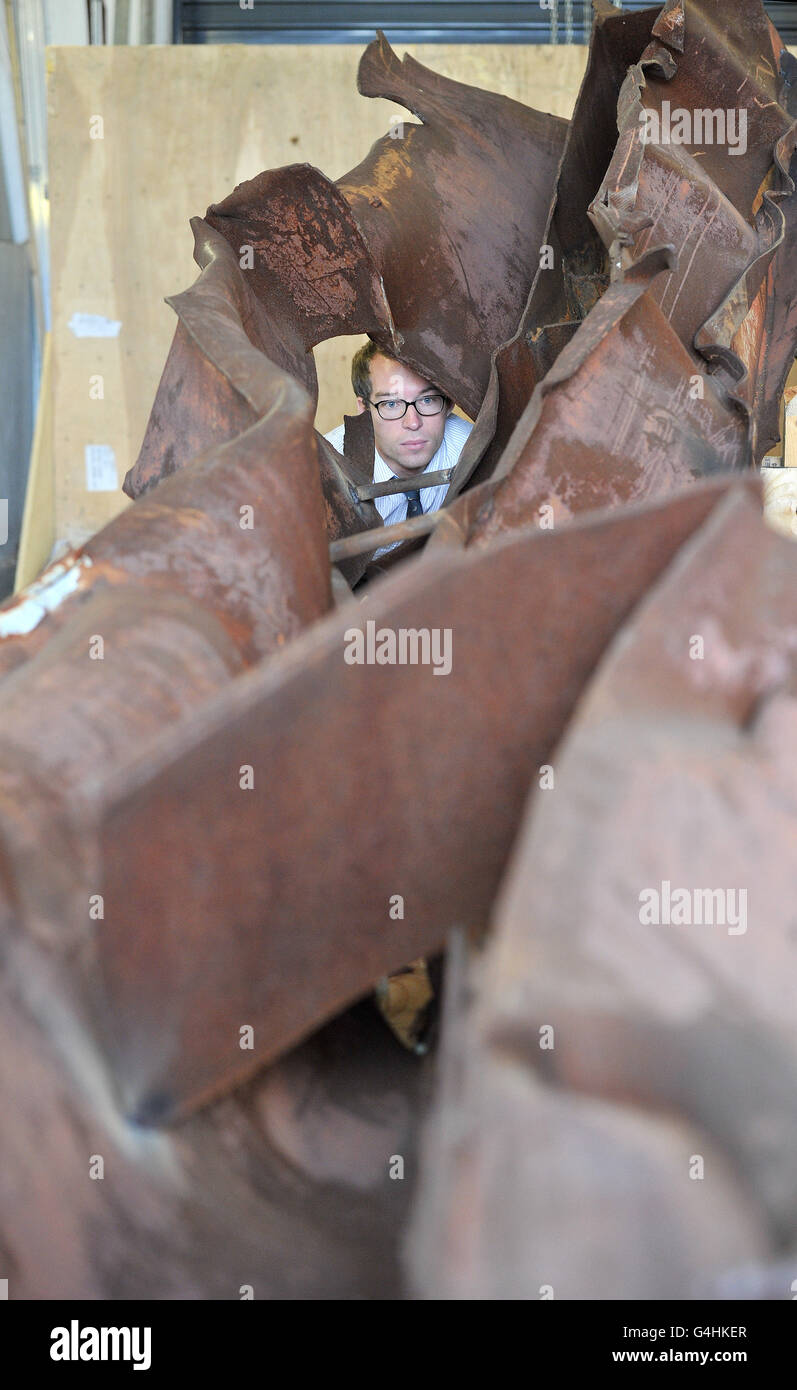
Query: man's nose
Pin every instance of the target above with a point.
(412, 419)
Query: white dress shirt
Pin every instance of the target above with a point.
(394, 508)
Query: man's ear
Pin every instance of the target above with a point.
(360, 405)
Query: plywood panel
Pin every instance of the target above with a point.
(181, 126)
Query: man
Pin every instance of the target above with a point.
(415, 431)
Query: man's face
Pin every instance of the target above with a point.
(408, 444)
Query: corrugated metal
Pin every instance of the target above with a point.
(405, 21)
(355, 21)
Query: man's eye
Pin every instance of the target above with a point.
(390, 405)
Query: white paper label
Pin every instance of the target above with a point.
(101, 468)
(94, 326)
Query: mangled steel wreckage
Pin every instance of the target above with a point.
(200, 845)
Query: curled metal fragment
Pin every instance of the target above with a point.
(231, 800)
(638, 1041)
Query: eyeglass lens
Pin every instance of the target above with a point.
(430, 404)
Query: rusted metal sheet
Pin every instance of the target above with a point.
(654, 193)
(29, 618)
(427, 827)
(669, 1038)
(293, 1199)
(244, 804)
(707, 177)
(765, 342)
(563, 291)
(164, 607)
(217, 382)
(454, 211)
(309, 260)
(283, 266)
(618, 418)
(242, 534)
(727, 283)
(311, 265)
(212, 384)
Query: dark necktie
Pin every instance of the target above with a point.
(414, 507)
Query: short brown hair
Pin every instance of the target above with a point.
(361, 369)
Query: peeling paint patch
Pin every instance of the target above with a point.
(42, 597)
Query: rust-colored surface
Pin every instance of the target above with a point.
(232, 810)
(623, 386)
(728, 223)
(219, 379)
(299, 714)
(282, 1186)
(471, 186)
(672, 1038)
(242, 534)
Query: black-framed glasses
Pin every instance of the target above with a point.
(430, 403)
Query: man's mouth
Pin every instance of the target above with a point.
(414, 444)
